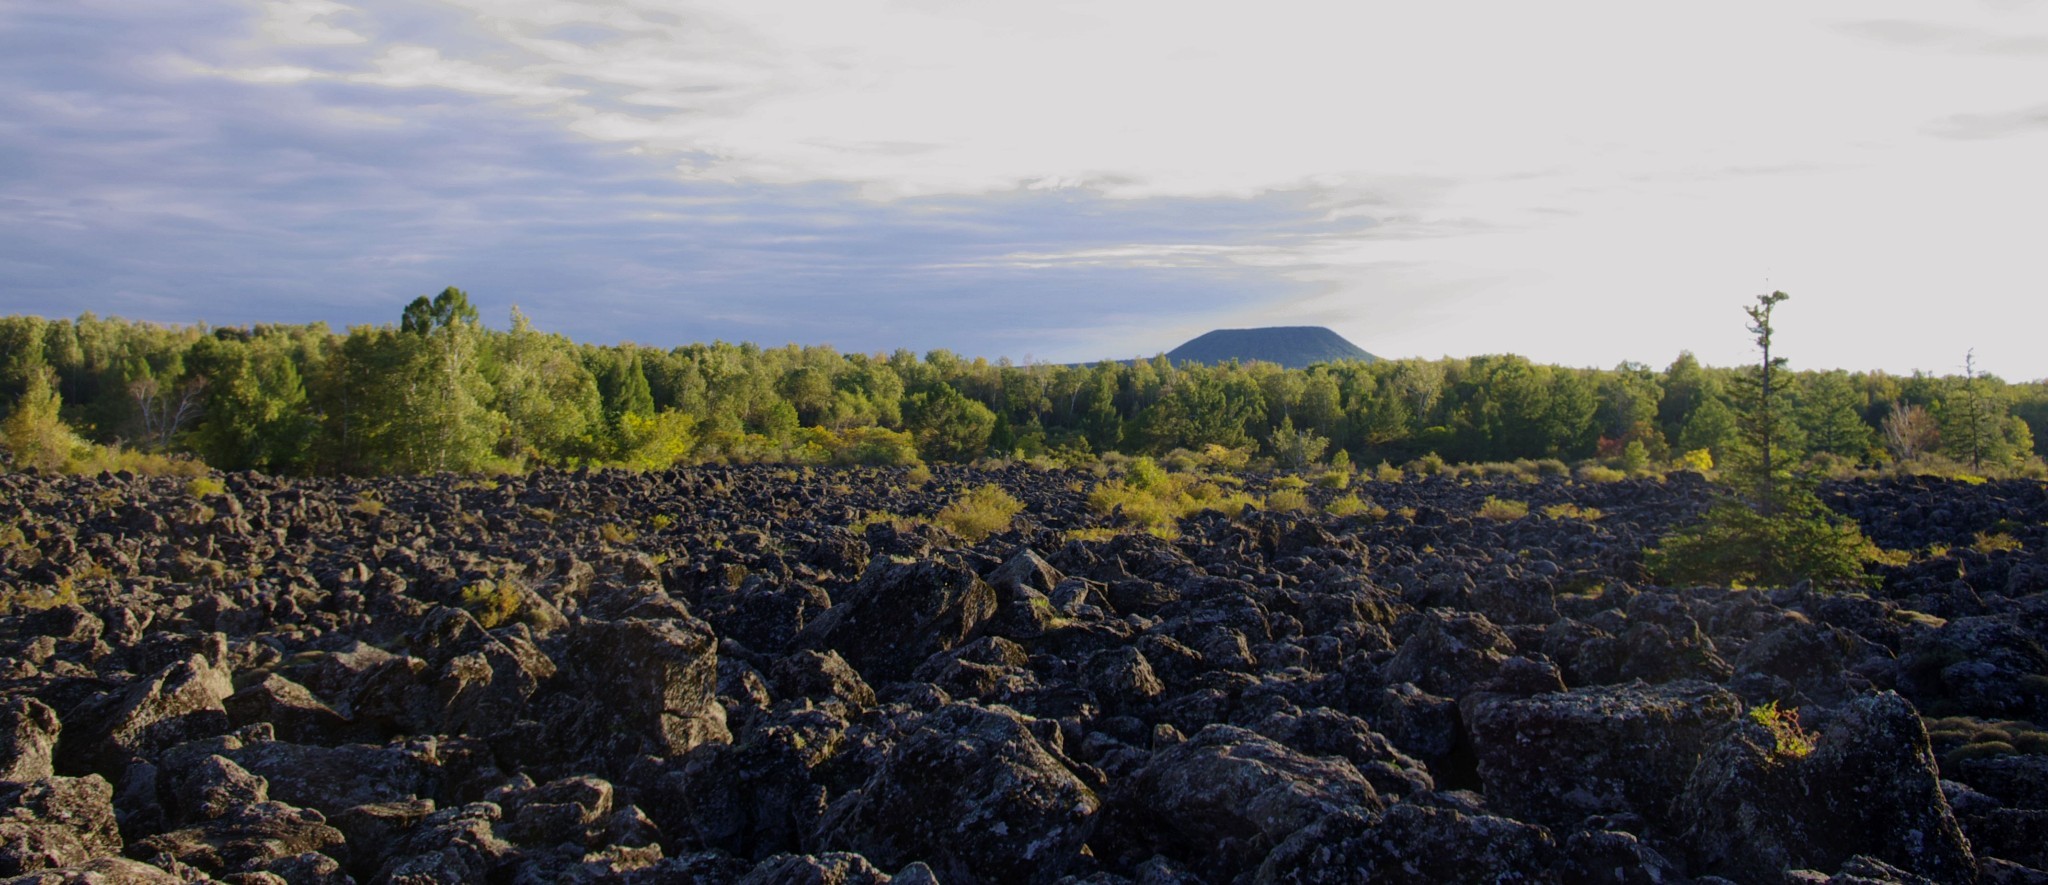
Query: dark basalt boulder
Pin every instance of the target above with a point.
(1225, 797)
(973, 793)
(1412, 843)
(56, 822)
(28, 739)
(1870, 787)
(230, 826)
(1556, 758)
(902, 613)
(182, 702)
(1987, 666)
(657, 676)
(1447, 653)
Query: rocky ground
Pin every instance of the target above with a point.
(708, 676)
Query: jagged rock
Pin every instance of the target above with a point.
(658, 676)
(973, 793)
(1411, 843)
(288, 707)
(234, 828)
(334, 779)
(1448, 653)
(901, 614)
(1869, 787)
(1225, 797)
(28, 739)
(180, 703)
(100, 871)
(821, 675)
(56, 822)
(565, 810)
(1326, 732)
(1556, 758)
(830, 868)
(1979, 666)
(1122, 678)
(449, 846)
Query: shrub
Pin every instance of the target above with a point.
(1497, 508)
(1573, 511)
(980, 513)
(1091, 534)
(613, 534)
(894, 520)
(1387, 473)
(1995, 542)
(1290, 483)
(493, 603)
(1286, 501)
(1334, 479)
(202, 486)
(64, 592)
(1791, 740)
(1427, 465)
(917, 476)
(1350, 505)
(1697, 461)
(1735, 543)
(1594, 473)
(1145, 474)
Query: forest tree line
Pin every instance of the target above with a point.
(441, 391)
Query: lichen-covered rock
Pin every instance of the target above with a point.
(1226, 796)
(902, 613)
(1412, 843)
(1869, 787)
(334, 779)
(658, 676)
(56, 822)
(232, 826)
(28, 739)
(1326, 732)
(973, 793)
(820, 675)
(1556, 758)
(1448, 652)
(292, 710)
(179, 703)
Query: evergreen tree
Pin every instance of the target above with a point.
(1769, 528)
(1830, 413)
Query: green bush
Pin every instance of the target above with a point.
(980, 513)
(493, 603)
(1501, 509)
(1286, 501)
(1736, 544)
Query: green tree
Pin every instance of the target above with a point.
(947, 425)
(1769, 528)
(1830, 413)
(255, 417)
(33, 433)
(550, 401)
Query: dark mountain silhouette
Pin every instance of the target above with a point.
(1294, 347)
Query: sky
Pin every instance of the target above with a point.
(1582, 183)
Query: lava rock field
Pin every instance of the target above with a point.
(709, 675)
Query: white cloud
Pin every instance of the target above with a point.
(1580, 181)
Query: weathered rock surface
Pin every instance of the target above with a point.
(708, 675)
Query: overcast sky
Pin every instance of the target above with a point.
(1582, 183)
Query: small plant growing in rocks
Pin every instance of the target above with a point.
(493, 603)
(1791, 740)
(980, 513)
(1503, 509)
